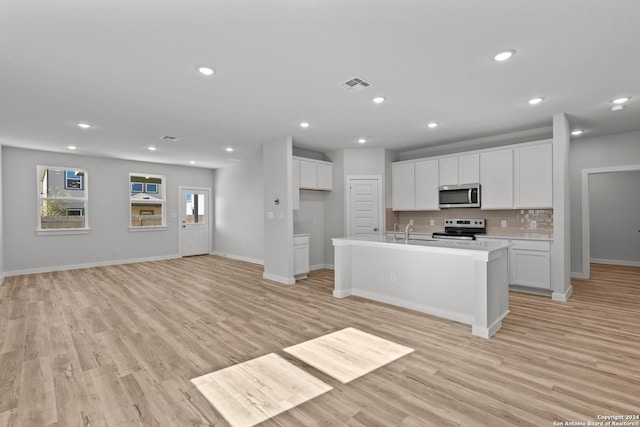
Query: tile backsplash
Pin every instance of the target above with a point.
(518, 220)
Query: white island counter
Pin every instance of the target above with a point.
(464, 281)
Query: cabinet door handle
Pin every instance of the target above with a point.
(376, 229)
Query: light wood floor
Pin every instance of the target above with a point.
(118, 345)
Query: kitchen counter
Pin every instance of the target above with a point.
(511, 236)
(461, 280)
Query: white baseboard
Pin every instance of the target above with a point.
(320, 267)
(87, 265)
(279, 279)
(615, 262)
(1, 278)
(239, 258)
(342, 294)
(564, 297)
(580, 275)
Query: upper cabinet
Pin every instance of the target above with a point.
(426, 185)
(460, 169)
(496, 191)
(512, 177)
(295, 197)
(403, 186)
(533, 176)
(315, 174)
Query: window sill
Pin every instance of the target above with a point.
(150, 228)
(61, 231)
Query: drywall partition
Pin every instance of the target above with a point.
(605, 153)
(239, 208)
(278, 211)
(109, 240)
(561, 246)
(614, 219)
(365, 161)
(1, 223)
(309, 219)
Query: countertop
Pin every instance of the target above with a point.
(420, 242)
(511, 236)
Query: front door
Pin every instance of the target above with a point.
(364, 208)
(195, 221)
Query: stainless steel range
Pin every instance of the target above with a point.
(461, 229)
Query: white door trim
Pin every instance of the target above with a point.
(586, 233)
(209, 218)
(347, 198)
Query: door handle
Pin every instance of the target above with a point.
(184, 226)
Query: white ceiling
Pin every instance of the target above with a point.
(128, 67)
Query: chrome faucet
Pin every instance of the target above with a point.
(407, 231)
(394, 230)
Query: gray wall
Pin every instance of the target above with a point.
(239, 208)
(614, 217)
(364, 161)
(309, 219)
(108, 210)
(621, 149)
(1, 221)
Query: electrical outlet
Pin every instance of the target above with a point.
(432, 222)
(534, 224)
(117, 249)
(393, 277)
(503, 223)
(411, 222)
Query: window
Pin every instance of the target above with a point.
(62, 199)
(147, 201)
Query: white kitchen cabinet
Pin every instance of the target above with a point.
(496, 170)
(426, 185)
(403, 186)
(533, 172)
(530, 264)
(315, 174)
(448, 170)
(295, 196)
(300, 256)
(469, 169)
(460, 169)
(325, 176)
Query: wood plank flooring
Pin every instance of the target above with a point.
(117, 346)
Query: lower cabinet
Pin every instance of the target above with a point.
(530, 264)
(300, 256)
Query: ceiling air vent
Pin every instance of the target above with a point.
(170, 138)
(356, 84)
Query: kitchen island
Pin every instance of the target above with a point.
(464, 281)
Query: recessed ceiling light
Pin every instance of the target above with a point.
(229, 149)
(362, 140)
(577, 132)
(206, 71)
(84, 125)
(617, 107)
(621, 100)
(504, 55)
(378, 99)
(151, 148)
(304, 125)
(72, 147)
(432, 124)
(193, 162)
(534, 101)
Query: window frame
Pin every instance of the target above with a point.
(161, 191)
(40, 198)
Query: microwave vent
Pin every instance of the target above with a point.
(355, 84)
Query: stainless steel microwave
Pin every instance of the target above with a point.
(459, 196)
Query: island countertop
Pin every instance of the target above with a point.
(476, 248)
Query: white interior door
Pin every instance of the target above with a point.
(364, 207)
(195, 221)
